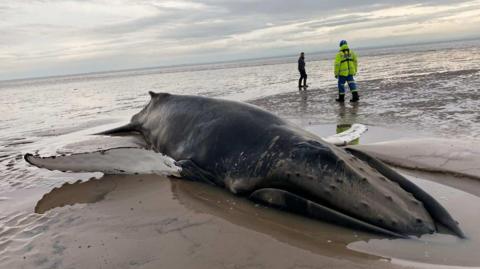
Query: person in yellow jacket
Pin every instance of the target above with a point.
(345, 68)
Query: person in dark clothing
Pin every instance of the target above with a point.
(303, 73)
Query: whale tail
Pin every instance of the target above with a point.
(127, 128)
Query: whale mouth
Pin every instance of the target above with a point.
(438, 213)
(291, 202)
(352, 187)
(403, 222)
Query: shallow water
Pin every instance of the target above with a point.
(407, 92)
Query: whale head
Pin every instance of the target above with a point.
(349, 190)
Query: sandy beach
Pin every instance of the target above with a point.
(160, 222)
(155, 222)
(52, 219)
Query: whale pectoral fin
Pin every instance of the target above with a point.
(192, 171)
(345, 137)
(291, 202)
(111, 161)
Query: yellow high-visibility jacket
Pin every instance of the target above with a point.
(345, 62)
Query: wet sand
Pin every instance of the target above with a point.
(156, 222)
(159, 222)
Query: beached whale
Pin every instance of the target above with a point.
(252, 152)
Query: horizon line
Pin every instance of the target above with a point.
(232, 61)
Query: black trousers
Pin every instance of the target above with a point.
(303, 75)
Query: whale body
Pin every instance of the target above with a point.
(252, 152)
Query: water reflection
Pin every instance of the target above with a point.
(342, 128)
(303, 102)
(90, 191)
(309, 234)
(302, 108)
(347, 116)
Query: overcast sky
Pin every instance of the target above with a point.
(55, 37)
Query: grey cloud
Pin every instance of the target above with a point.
(213, 28)
(339, 21)
(243, 16)
(395, 21)
(166, 17)
(299, 8)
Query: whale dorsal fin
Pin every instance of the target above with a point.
(158, 94)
